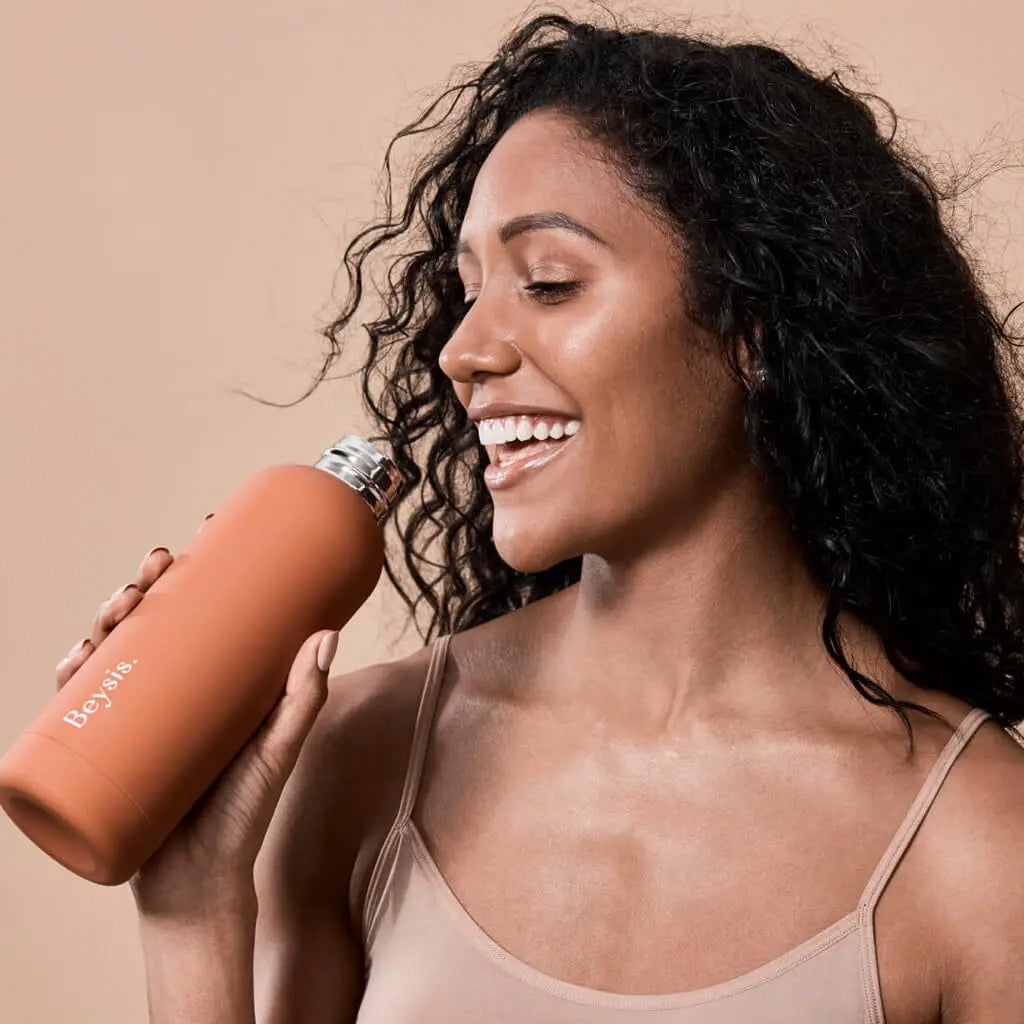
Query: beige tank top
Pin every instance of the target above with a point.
(429, 962)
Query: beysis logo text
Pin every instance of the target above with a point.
(79, 717)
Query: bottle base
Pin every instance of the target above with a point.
(71, 810)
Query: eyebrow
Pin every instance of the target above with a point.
(535, 222)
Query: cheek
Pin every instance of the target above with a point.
(638, 380)
(663, 418)
(645, 383)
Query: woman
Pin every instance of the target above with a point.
(690, 753)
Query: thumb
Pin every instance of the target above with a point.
(282, 734)
(255, 780)
(307, 678)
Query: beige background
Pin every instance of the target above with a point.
(178, 181)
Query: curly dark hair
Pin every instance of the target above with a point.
(887, 428)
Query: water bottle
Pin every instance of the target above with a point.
(136, 736)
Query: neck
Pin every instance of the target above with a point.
(716, 628)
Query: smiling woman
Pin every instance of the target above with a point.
(774, 513)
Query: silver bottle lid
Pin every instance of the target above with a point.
(368, 471)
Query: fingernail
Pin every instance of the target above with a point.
(120, 590)
(76, 649)
(149, 554)
(326, 651)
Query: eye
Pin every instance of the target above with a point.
(546, 291)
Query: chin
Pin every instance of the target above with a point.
(528, 553)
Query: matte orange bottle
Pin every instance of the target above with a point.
(135, 737)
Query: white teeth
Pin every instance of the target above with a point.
(502, 430)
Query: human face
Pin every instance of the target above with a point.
(660, 418)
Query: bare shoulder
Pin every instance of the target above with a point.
(308, 959)
(368, 723)
(976, 869)
(345, 784)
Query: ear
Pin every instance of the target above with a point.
(747, 360)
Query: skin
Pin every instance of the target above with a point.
(598, 746)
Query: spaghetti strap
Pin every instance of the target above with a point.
(421, 731)
(892, 856)
(379, 881)
(929, 788)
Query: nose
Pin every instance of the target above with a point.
(478, 347)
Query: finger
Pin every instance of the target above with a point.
(113, 610)
(305, 689)
(282, 734)
(310, 667)
(152, 567)
(71, 662)
(270, 756)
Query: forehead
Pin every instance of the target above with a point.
(541, 164)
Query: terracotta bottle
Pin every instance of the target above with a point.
(149, 721)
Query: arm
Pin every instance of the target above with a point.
(180, 984)
(309, 966)
(287, 951)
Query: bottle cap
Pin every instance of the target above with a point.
(367, 470)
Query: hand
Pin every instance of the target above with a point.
(208, 858)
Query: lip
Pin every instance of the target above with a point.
(491, 409)
(501, 477)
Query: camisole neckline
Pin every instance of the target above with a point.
(785, 961)
(855, 926)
